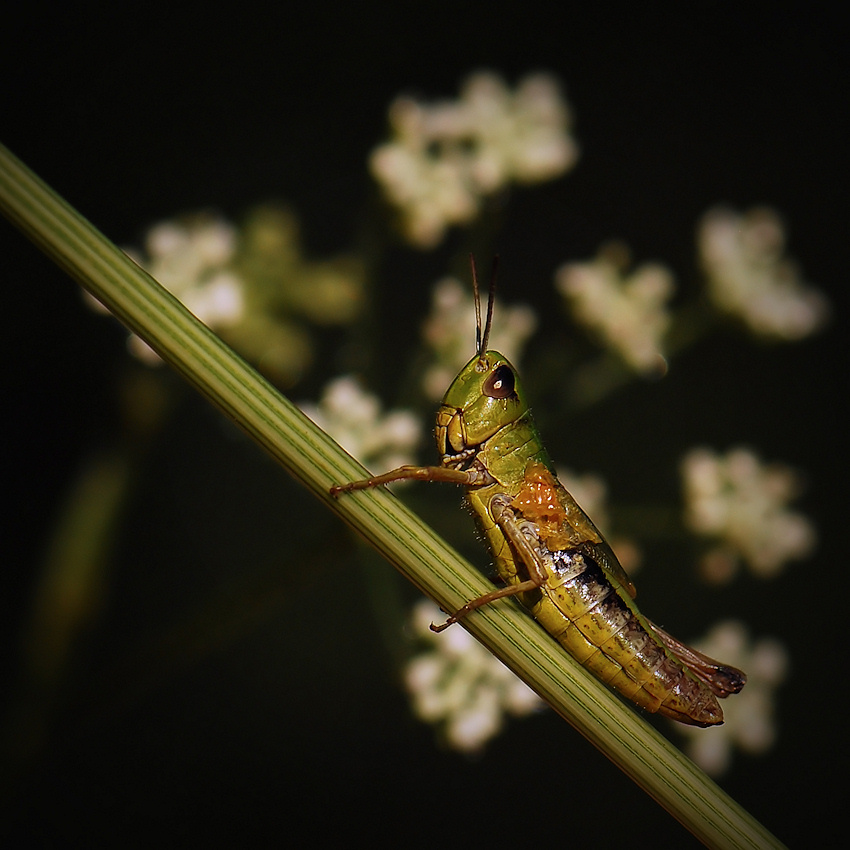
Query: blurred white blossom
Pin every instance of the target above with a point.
(251, 285)
(450, 332)
(749, 277)
(627, 311)
(741, 503)
(749, 722)
(353, 418)
(591, 494)
(193, 260)
(443, 158)
(458, 685)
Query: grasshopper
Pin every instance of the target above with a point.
(548, 552)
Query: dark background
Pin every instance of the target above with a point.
(265, 724)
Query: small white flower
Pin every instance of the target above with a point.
(219, 302)
(749, 722)
(183, 257)
(748, 276)
(354, 419)
(444, 158)
(432, 194)
(459, 686)
(628, 312)
(741, 503)
(450, 332)
(192, 260)
(520, 136)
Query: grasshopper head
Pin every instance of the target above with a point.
(484, 398)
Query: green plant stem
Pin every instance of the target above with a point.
(317, 461)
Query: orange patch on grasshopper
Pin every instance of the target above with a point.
(538, 502)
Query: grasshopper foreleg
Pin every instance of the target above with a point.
(466, 478)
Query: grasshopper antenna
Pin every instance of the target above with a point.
(491, 300)
(476, 295)
(483, 337)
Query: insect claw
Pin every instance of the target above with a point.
(443, 626)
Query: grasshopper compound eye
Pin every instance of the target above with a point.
(501, 383)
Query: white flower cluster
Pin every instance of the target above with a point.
(460, 686)
(450, 332)
(252, 285)
(627, 311)
(354, 419)
(444, 158)
(749, 278)
(749, 716)
(742, 503)
(192, 260)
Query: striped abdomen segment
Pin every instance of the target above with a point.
(603, 630)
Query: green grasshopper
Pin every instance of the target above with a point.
(546, 549)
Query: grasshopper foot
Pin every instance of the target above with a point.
(443, 626)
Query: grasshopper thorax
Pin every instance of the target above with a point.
(482, 400)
